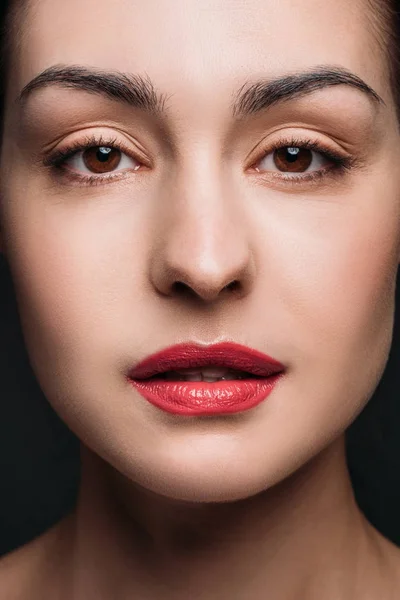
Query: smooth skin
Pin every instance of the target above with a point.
(249, 506)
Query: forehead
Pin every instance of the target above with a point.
(198, 45)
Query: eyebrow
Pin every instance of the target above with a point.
(135, 90)
(260, 95)
(138, 91)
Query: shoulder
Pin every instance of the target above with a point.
(25, 573)
(389, 567)
(15, 574)
(395, 557)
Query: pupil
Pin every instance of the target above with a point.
(290, 159)
(292, 154)
(102, 154)
(101, 159)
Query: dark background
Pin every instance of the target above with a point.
(39, 456)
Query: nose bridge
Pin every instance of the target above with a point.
(202, 241)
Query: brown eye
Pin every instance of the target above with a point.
(293, 160)
(101, 159)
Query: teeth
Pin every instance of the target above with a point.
(179, 377)
(206, 371)
(225, 378)
(208, 374)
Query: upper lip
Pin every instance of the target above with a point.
(224, 354)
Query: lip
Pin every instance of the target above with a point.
(204, 398)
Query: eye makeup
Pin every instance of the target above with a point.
(334, 163)
(57, 161)
(289, 160)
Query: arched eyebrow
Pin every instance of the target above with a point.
(139, 91)
(260, 95)
(136, 90)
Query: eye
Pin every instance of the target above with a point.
(100, 159)
(294, 159)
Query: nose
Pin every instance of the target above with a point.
(202, 247)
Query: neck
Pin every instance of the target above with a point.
(304, 538)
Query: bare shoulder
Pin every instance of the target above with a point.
(394, 553)
(389, 558)
(16, 569)
(27, 571)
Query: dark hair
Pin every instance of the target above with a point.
(384, 15)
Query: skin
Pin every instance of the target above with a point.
(252, 505)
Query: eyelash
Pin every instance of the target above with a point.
(340, 163)
(58, 158)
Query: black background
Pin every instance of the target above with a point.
(39, 456)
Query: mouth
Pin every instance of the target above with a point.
(211, 374)
(190, 379)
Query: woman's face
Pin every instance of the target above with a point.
(201, 194)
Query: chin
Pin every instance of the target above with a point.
(209, 479)
(209, 489)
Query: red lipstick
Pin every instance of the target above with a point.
(251, 377)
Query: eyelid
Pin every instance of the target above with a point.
(315, 147)
(295, 137)
(342, 162)
(317, 155)
(55, 160)
(66, 149)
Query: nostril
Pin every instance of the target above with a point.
(234, 285)
(179, 286)
(182, 288)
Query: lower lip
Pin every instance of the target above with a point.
(203, 398)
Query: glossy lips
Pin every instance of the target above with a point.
(200, 398)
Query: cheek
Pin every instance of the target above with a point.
(79, 276)
(330, 288)
(329, 267)
(356, 281)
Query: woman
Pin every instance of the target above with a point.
(200, 209)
